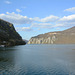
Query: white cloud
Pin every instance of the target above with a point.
(47, 22)
(70, 9)
(23, 7)
(50, 18)
(24, 29)
(27, 28)
(64, 25)
(16, 18)
(41, 25)
(18, 10)
(70, 18)
(66, 21)
(7, 2)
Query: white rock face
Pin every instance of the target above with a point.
(48, 40)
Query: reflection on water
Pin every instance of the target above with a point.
(6, 61)
(38, 60)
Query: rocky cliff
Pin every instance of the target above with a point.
(8, 34)
(60, 37)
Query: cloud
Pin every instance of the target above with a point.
(18, 10)
(24, 29)
(41, 25)
(70, 9)
(7, 2)
(23, 7)
(16, 18)
(64, 25)
(50, 18)
(47, 22)
(70, 18)
(66, 21)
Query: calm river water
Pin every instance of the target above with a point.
(38, 60)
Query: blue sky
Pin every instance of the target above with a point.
(33, 17)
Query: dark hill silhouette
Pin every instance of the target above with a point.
(9, 35)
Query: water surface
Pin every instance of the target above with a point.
(38, 60)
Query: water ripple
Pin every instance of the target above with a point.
(39, 60)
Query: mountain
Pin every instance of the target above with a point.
(59, 37)
(25, 40)
(8, 34)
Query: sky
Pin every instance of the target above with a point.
(33, 17)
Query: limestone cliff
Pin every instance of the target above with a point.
(60, 37)
(8, 34)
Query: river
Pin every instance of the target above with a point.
(42, 59)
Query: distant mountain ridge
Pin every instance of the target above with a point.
(59, 37)
(9, 34)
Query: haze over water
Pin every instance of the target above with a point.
(42, 59)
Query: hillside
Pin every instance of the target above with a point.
(59, 37)
(8, 34)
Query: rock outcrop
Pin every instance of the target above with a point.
(8, 34)
(60, 37)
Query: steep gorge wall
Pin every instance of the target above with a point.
(9, 34)
(48, 40)
(61, 37)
